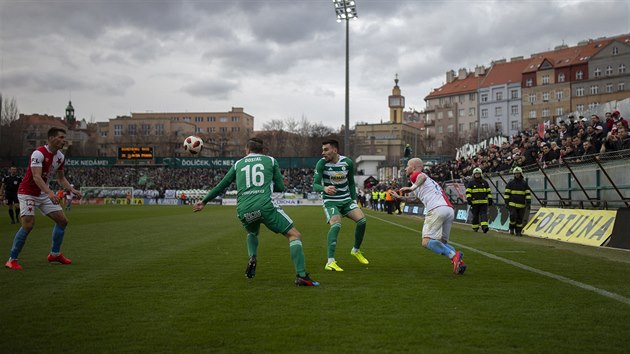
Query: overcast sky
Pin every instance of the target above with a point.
(277, 59)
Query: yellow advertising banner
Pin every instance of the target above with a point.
(587, 227)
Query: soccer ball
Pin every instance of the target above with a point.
(193, 145)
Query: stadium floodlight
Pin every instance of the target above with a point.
(346, 10)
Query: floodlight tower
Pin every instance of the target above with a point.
(346, 10)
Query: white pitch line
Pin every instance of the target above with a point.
(565, 280)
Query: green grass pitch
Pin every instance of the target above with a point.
(163, 279)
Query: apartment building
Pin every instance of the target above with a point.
(500, 94)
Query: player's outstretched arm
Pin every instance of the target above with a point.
(225, 182)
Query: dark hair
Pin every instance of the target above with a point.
(332, 142)
(255, 145)
(52, 132)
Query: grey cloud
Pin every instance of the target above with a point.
(41, 81)
(212, 88)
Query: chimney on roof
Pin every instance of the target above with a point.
(461, 75)
(584, 42)
(450, 76)
(516, 58)
(500, 61)
(480, 70)
(562, 46)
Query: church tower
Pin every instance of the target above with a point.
(396, 104)
(69, 118)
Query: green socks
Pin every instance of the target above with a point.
(359, 232)
(297, 256)
(332, 238)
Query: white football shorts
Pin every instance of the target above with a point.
(29, 203)
(437, 223)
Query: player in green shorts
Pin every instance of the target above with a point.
(257, 176)
(334, 178)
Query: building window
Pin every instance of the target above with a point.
(449, 129)
(223, 119)
(159, 129)
(235, 129)
(131, 128)
(532, 97)
(449, 114)
(461, 112)
(622, 68)
(484, 97)
(198, 119)
(471, 97)
(592, 105)
(460, 126)
(514, 110)
(440, 129)
(594, 90)
(498, 111)
(615, 51)
(621, 86)
(118, 130)
(472, 125)
(471, 111)
(609, 88)
(145, 129)
(498, 127)
(461, 98)
(561, 77)
(545, 112)
(579, 108)
(484, 127)
(235, 119)
(597, 72)
(579, 75)
(579, 91)
(515, 125)
(559, 95)
(211, 129)
(223, 129)
(609, 70)
(545, 96)
(532, 113)
(514, 94)
(440, 115)
(484, 113)
(198, 130)
(545, 80)
(559, 111)
(212, 119)
(529, 83)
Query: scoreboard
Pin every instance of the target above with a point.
(135, 153)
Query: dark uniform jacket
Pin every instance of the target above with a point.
(478, 191)
(517, 193)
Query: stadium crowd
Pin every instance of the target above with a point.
(576, 138)
(297, 180)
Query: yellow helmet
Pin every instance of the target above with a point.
(477, 170)
(517, 170)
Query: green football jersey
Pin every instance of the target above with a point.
(340, 175)
(257, 177)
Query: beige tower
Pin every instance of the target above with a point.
(396, 104)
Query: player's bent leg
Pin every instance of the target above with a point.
(331, 238)
(296, 251)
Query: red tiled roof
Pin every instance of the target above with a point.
(506, 72)
(467, 85)
(43, 119)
